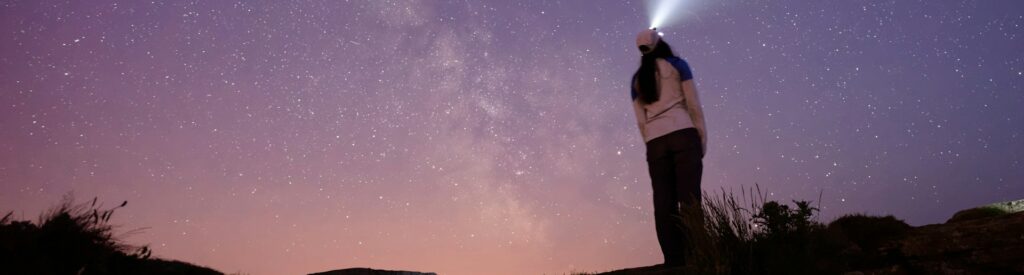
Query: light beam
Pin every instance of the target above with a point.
(665, 12)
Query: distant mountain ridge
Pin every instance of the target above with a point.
(368, 271)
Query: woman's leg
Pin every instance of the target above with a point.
(688, 169)
(667, 219)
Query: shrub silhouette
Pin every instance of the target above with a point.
(785, 237)
(749, 234)
(77, 239)
(778, 221)
(861, 240)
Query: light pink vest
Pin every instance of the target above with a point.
(668, 114)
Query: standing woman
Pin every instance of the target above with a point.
(672, 125)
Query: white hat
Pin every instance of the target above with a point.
(647, 39)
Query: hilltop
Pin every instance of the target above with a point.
(981, 240)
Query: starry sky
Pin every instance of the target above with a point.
(489, 137)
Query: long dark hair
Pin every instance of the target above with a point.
(645, 78)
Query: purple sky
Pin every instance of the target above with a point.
(497, 137)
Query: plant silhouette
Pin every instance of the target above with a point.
(78, 239)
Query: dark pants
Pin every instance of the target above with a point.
(675, 164)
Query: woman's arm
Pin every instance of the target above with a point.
(696, 112)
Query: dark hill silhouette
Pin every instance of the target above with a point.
(367, 271)
(77, 239)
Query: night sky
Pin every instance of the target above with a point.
(488, 137)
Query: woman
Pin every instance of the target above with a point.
(672, 125)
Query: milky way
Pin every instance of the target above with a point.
(488, 137)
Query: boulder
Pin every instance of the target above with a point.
(990, 210)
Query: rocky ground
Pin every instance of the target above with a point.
(982, 245)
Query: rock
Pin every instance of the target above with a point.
(989, 245)
(367, 271)
(990, 210)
